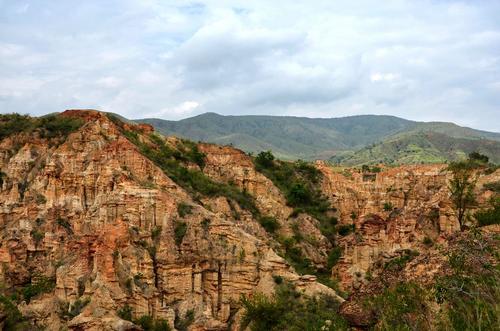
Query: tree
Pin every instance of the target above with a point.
(462, 188)
(265, 159)
(479, 158)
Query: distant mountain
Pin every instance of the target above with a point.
(344, 139)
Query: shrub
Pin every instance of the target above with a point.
(182, 324)
(205, 224)
(179, 232)
(192, 180)
(184, 209)
(288, 309)
(149, 324)
(37, 236)
(402, 307)
(55, 125)
(470, 292)
(334, 257)
(400, 262)
(345, 229)
(43, 285)
(12, 318)
(489, 216)
(495, 186)
(40, 199)
(270, 224)
(388, 206)
(62, 222)
(427, 241)
(299, 183)
(264, 159)
(277, 279)
(156, 232)
(125, 313)
(77, 307)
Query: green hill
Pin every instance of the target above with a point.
(419, 147)
(344, 139)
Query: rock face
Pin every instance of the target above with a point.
(100, 219)
(103, 223)
(392, 211)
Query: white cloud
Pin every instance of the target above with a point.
(172, 59)
(380, 77)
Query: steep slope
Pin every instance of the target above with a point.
(420, 147)
(92, 228)
(307, 138)
(105, 225)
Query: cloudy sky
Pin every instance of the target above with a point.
(422, 59)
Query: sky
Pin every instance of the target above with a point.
(422, 60)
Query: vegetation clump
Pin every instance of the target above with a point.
(183, 209)
(42, 285)
(50, 126)
(179, 232)
(290, 310)
(299, 181)
(146, 322)
(171, 160)
(491, 215)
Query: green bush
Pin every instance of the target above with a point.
(470, 292)
(40, 199)
(43, 285)
(264, 159)
(55, 125)
(400, 262)
(49, 126)
(37, 236)
(290, 310)
(179, 232)
(428, 241)
(156, 232)
(402, 307)
(495, 186)
(184, 209)
(77, 307)
(148, 323)
(182, 324)
(388, 206)
(345, 229)
(125, 313)
(334, 257)
(270, 224)
(62, 222)
(489, 216)
(12, 318)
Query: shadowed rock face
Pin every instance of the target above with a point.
(97, 216)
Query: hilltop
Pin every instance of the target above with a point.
(342, 139)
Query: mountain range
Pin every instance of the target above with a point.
(352, 140)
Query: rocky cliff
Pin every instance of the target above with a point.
(112, 219)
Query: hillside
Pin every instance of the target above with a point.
(311, 138)
(419, 147)
(108, 225)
